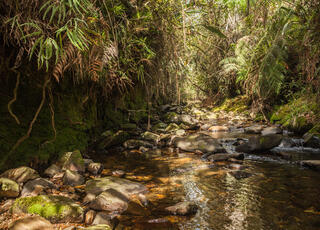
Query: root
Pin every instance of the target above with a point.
(52, 118)
(22, 139)
(15, 92)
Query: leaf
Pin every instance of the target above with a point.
(215, 30)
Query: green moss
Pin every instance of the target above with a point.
(53, 208)
(238, 105)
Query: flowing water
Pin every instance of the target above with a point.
(273, 193)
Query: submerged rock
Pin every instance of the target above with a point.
(312, 164)
(240, 174)
(21, 174)
(260, 143)
(72, 161)
(53, 208)
(8, 188)
(199, 141)
(183, 208)
(225, 157)
(31, 223)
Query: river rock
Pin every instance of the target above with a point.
(52, 170)
(125, 187)
(72, 161)
(187, 119)
(218, 128)
(311, 140)
(183, 208)
(312, 164)
(89, 217)
(225, 157)
(149, 136)
(260, 143)
(113, 139)
(31, 223)
(56, 209)
(180, 132)
(171, 117)
(240, 174)
(72, 178)
(271, 130)
(8, 188)
(255, 129)
(32, 187)
(159, 127)
(111, 201)
(199, 141)
(135, 144)
(95, 168)
(103, 218)
(21, 174)
(172, 127)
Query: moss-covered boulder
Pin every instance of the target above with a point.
(72, 161)
(8, 188)
(113, 139)
(149, 136)
(56, 209)
(21, 174)
(171, 117)
(159, 127)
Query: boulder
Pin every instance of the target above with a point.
(183, 208)
(187, 119)
(123, 186)
(31, 223)
(255, 129)
(52, 170)
(260, 143)
(135, 144)
(159, 127)
(225, 157)
(171, 117)
(21, 174)
(311, 140)
(180, 132)
(33, 186)
(149, 136)
(312, 164)
(172, 127)
(95, 168)
(112, 139)
(218, 128)
(72, 161)
(199, 141)
(271, 130)
(89, 217)
(56, 209)
(111, 201)
(72, 178)
(103, 218)
(8, 188)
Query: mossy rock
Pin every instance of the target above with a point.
(172, 127)
(159, 126)
(171, 117)
(128, 126)
(98, 227)
(72, 161)
(56, 209)
(238, 105)
(115, 139)
(8, 188)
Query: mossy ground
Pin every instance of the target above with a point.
(238, 105)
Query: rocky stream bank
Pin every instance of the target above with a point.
(156, 177)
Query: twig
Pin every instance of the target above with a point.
(15, 92)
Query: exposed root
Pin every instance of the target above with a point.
(22, 139)
(51, 106)
(15, 92)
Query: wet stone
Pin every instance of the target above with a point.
(183, 208)
(240, 174)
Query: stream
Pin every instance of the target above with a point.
(271, 192)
